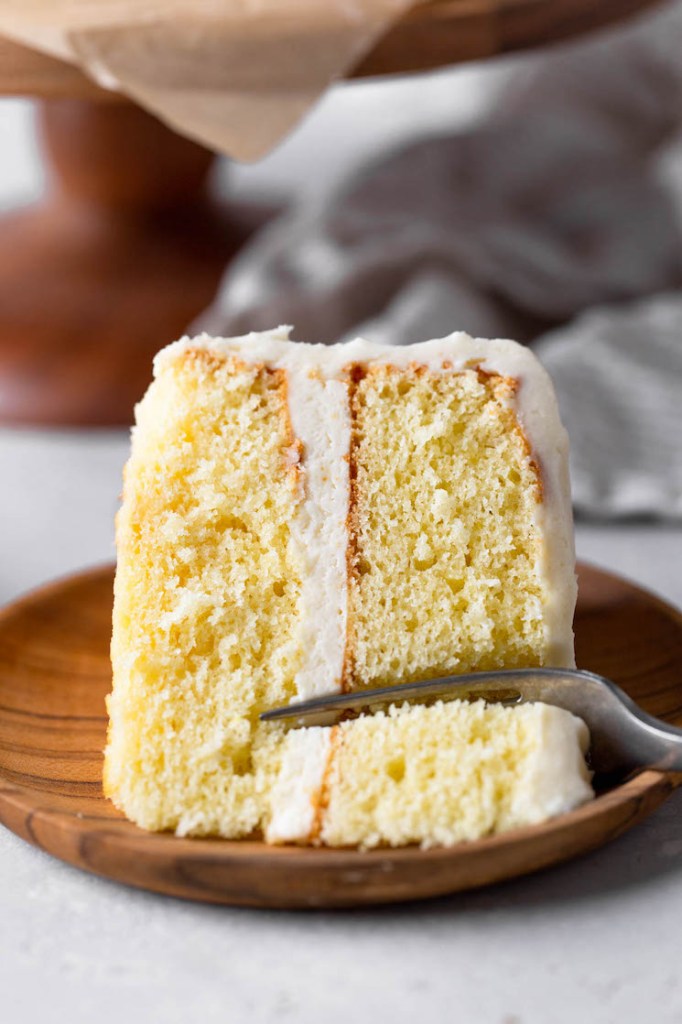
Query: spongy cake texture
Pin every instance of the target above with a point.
(258, 466)
(205, 623)
(446, 571)
(492, 768)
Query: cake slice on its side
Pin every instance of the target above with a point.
(299, 519)
(431, 775)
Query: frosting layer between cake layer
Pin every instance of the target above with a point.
(318, 410)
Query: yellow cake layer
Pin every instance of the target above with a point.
(450, 772)
(444, 535)
(206, 631)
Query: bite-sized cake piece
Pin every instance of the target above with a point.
(433, 775)
(302, 519)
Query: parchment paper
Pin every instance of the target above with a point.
(235, 75)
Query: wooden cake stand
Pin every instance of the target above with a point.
(128, 247)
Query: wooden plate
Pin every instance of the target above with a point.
(54, 674)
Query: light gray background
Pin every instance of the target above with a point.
(597, 940)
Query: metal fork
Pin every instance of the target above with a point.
(623, 737)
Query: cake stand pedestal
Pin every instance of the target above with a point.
(125, 251)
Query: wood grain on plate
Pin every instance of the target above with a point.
(54, 674)
(433, 34)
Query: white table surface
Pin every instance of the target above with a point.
(597, 940)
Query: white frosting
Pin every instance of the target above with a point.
(295, 796)
(321, 421)
(557, 778)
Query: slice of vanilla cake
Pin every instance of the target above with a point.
(435, 774)
(302, 519)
